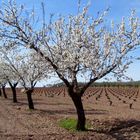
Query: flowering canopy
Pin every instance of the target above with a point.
(80, 45)
(27, 68)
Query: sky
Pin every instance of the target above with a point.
(118, 9)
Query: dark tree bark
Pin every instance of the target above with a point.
(13, 87)
(14, 94)
(3, 90)
(29, 97)
(81, 119)
(0, 92)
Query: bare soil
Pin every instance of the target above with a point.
(108, 122)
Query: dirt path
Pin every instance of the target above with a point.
(9, 121)
(15, 123)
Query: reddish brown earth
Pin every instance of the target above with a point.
(107, 109)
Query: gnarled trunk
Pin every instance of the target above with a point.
(29, 97)
(81, 120)
(4, 93)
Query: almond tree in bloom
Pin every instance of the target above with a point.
(23, 67)
(77, 47)
(6, 69)
(11, 78)
(31, 70)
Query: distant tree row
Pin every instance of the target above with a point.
(116, 84)
(105, 84)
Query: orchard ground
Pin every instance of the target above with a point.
(107, 110)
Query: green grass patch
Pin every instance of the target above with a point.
(70, 124)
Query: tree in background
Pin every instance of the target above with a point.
(13, 80)
(24, 68)
(77, 47)
(3, 83)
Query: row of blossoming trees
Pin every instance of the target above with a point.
(77, 47)
(20, 67)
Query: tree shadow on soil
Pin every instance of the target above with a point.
(125, 130)
(54, 104)
(72, 112)
(120, 130)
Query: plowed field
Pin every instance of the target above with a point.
(114, 114)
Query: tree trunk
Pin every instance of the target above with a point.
(0, 92)
(76, 98)
(13, 87)
(29, 97)
(14, 94)
(4, 93)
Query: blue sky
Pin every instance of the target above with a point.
(118, 9)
